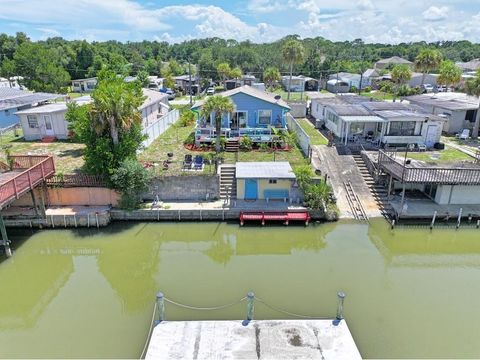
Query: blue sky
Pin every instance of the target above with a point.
(389, 21)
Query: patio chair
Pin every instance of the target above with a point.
(187, 162)
(198, 163)
(422, 147)
(464, 135)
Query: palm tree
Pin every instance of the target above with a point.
(271, 75)
(450, 74)
(427, 60)
(400, 75)
(473, 88)
(218, 105)
(115, 104)
(223, 70)
(293, 53)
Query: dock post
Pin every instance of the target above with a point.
(161, 306)
(433, 220)
(341, 298)
(478, 224)
(5, 241)
(65, 220)
(250, 305)
(459, 217)
(53, 222)
(75, 219)
(96, 219)
(392, 224)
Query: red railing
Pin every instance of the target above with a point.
(38, 168)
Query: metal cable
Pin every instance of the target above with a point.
(288, 312)
(205, 308)
(142, 356)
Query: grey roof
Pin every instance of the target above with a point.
(86, 79)
(152, 97)
(391, 114)
(370, 73)
(264, 170)
(450, 101)
(471, 65)
(49, 108)
(7, 92)
(23, 98)
(394, 60)
(249, 90)
(350, 110)
(387, 105)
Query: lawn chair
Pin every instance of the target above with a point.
(464, 135)
(198, 163)
(187, 162)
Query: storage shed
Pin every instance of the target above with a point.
(264, 180)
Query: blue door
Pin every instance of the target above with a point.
(251, 189)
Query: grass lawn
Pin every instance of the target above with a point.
(74, 95)
(378, 95)
(171, 141)
(316, 138)
(469, 144)
(67, 154)
(448, 156)
(293, 95)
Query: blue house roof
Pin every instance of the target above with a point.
(250, 91)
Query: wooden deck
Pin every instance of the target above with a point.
(419, 174)
(27, 172)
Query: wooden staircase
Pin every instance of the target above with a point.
(228, 182)
(232, 145)
(378, 192)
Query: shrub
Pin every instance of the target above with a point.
(187, 118)
(190, 140)
(246, 143)
(367, 89)
(353, 89)
(219, 88)
(131, 179)
(263, 146)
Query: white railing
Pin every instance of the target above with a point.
(156, 129)
(302, 137)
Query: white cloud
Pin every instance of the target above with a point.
(434, 13)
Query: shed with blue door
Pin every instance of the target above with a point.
(256, 113)
(264, 180)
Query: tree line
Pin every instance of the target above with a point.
(49, 65)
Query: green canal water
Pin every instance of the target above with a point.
(411, 293)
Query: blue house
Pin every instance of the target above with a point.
(256, 113)
(13, 100)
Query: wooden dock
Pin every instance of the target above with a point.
(257, 339)
(264, 216)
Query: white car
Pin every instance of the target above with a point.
(210, 91)
(427, 88)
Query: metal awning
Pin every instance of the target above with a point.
(364, 119)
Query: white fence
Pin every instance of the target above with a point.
(156, 129)
(302, 137)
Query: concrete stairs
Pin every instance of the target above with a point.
(228, 182)
(232, 145)
(378, 192)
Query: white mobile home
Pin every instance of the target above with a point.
(84, 85)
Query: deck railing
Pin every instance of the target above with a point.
(434, 175)
(37, 169)
(76, 180)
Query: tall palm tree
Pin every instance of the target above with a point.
(427, 60)
(293, 53)
(473, 88)
(271, 75)
(115, 104)
(400, 75)
(450, 74)
(218, 105)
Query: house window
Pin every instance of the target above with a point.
(7, 113)
(76, 84)
(238, 120)
(470, 115)
(402, 128)
(272, 181)
(264, 117)
(32, 121)
(90, 85)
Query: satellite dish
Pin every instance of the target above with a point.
(278, 97)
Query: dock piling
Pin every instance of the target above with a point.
(433, 220)
(459, 217)
(341, 298)
(478, 224)
(250, 305)
(96, 218)
(161, 306)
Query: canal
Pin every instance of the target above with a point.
(411, 293)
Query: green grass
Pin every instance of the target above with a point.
(293, 95)
(316, 138)
(171, 141)
(74, 95)
(378, 95)
(448, 156)
(68, 155)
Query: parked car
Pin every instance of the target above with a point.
(211, 91)
(171, 94)
(426, 88)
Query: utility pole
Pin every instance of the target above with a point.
(190, 82)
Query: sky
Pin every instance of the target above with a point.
(385, 21)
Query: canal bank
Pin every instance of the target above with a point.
(89, 293)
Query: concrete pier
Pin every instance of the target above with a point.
(259, 339)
